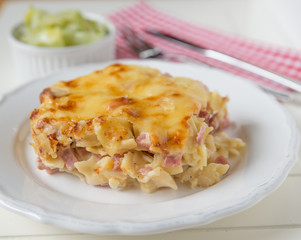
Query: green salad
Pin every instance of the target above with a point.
(62, 29)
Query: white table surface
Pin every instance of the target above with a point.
(278, 216)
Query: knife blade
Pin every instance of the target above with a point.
(284, 81)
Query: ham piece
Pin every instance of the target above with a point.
(200, 135)
(222, 160)
(69, 157)
(172, 160)
(167, 74)
(143, 140)
(81, 151)
(213, 121)
(42, 166)
(117, 161)
(206, 115)
(145, 170)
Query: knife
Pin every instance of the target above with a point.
(284, 81)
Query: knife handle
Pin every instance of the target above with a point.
(290, 83)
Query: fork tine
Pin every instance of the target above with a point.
(135, 41)
(142, 48)
(131, 38)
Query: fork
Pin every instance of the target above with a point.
(145, 50)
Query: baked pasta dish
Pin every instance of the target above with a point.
(128, 124)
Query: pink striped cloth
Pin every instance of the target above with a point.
(141, 16)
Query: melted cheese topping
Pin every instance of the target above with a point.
(151, 101)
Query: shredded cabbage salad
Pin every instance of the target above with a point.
(68, 28)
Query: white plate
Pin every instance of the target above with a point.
(63, 200)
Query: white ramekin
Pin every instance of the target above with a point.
(32, 62)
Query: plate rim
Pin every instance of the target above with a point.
(164, 225)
